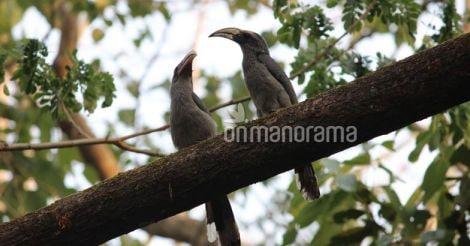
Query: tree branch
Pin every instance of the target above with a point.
(395, 96)
(231, 102)
(117, 141)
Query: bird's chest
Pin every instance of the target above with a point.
(267, 93)
(190, 127)
(259, 80)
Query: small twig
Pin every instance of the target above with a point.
(117, 141)
(63, 144)
(72, 121)
(319, 56)
(46, 36)
(356, 39)
(454, 178)
(231, 102)
(145, 132)
(127, 147)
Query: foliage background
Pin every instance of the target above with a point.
(410, 186)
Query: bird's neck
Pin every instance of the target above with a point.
(182, 91)
(249, 56)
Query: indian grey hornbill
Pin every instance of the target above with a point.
(269, 88)
(190, 123)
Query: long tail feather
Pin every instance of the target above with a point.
(219, 213)
(308, 184)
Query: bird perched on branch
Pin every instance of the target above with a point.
(190, 123)
(269, 88)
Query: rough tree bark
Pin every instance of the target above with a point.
(100, 156)
(393, 97)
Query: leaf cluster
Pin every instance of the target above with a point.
(54, 94)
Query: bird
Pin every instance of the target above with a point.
(190, 123)
(270, 90)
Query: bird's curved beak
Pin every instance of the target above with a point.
(228, 33)
(187, 62)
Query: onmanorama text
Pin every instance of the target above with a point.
(329, 134)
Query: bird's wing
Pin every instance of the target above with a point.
(199, 103)
(279, 75)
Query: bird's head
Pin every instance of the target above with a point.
(185, 67)
(248, 40)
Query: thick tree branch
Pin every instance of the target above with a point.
(391, 98)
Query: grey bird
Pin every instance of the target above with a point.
(269, 88)
(190, 123)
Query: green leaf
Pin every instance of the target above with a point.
(133, 88)
(364, 195)
(164, 11)
(277, 5)
(389, 144)
(388, 211)
(38, 78)
(65, 157)
(434, 178)
(3, 57)
(5, 89)
(129, 241)
(461, 155)
(290, 235)
(331, 3)
(108, 88)
(127, 116)
(362, 159)
(356, 234)
(415, 221)
(392, 196)
(331, 164)
(311, 211)
(415, 198)
(346, 182)
(384, 240)
(389, 172)
(97, 34)
(434, 236)
(343, 216)
(422, 139)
